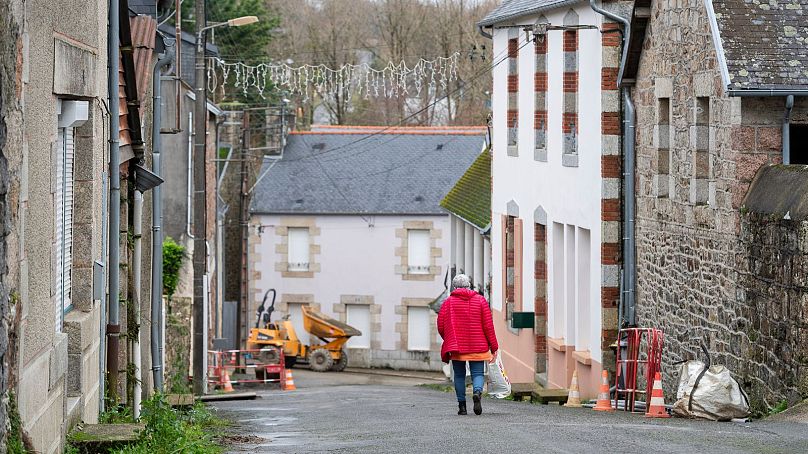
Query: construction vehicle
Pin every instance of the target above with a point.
(271, 337)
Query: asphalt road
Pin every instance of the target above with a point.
(356, 412)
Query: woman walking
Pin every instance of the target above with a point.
(467, 329)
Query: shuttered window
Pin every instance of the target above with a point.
(418, 248)
(418, 328)
(358, 316)
(64, 224)
(298, 249)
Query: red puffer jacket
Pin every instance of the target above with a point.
(465, 324)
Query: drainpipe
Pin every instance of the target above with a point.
(157, 232)
(627, 312)
(787, 130)
(136, 277)
(191, 135)
(113, 323)
(483, 33)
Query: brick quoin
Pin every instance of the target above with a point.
(541, 306)
(610, 209)
(570, 41)
(540, 81)
(608, 79)
(513, 83)
(513, 116)
(570, 82)
(610, 166)
(540, 119)
(541, 344)
(541, 270)
(609, 296)
(610, 123)
(610, 36)
(607, 336)
(610, 253)
(541, 46)
(568, 119)
(513, 47)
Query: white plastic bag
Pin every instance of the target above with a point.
(498, 384)
(717, 396)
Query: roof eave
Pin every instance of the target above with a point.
(492, 22)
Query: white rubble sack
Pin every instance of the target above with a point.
(717, 396)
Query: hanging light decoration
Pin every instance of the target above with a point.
(347, 81)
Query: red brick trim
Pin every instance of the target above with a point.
(513, 83)
(610, 166)
(610, 35)
(610, 123)
(609, 296)
(540, 81)
(568, 119)
(608, 78)
(570, 41)
(610, 209)
(610, 253)
(571, 82)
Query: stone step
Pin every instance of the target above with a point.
(94, 438)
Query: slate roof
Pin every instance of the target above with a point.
(470, 198)
(404, 172)
(765, 43)
(511, 9)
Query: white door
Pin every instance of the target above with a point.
(358, 316)
(296, 316)
(64, 224)
(419, 327)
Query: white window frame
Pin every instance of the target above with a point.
(299, 247)
(71, 114)
(418, 260)
(415, 328)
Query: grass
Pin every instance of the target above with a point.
(193, 430)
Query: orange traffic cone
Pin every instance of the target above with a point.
(656, 407)
(228, 387)
(604, 403)
(290, 382)
(574, 398)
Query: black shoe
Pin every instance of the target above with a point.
(478, 406)
(461, 408)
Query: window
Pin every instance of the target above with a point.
(663, 140)
(584, 277)
(64, 223)
(512, 121)
(699, 187)
(419, 327)
(296, 317)
(798, 135)
(418, 251)
(298, 249)
(358, 316)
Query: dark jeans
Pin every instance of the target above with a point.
(477, 377)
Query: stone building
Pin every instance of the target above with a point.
(720, 249)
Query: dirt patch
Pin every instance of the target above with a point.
(797, 413)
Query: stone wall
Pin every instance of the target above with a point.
(10, 118)
(772, 332)
(697, 153)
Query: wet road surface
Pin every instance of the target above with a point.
(356, 412)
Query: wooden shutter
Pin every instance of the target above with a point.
(518, 241)
(64, 224)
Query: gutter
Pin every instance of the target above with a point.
(627, 310)
(483, 33)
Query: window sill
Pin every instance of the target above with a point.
(513, 151)
(569, 160)
(557, 344)
(583, 357)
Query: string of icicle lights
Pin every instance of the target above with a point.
(349, 80)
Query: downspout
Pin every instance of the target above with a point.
(787, 130)
(137, 255)
(113, 323)
(191, 135)
(157, 225)
(627, 312)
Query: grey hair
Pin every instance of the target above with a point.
(461, 281)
